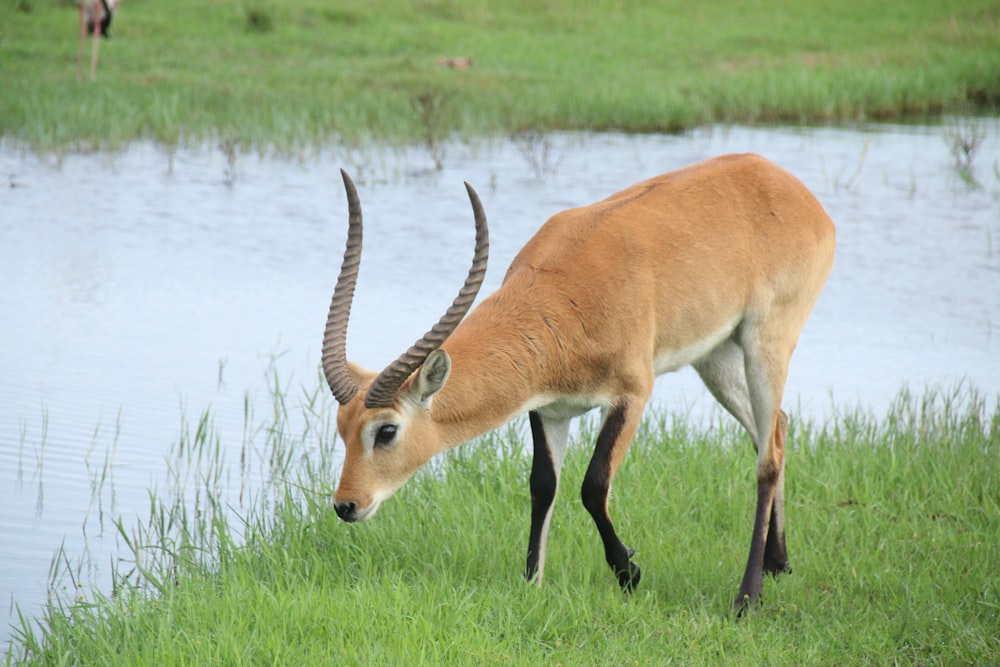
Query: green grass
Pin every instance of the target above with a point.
(286, 76)
(893, 526)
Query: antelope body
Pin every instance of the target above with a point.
(716, 266)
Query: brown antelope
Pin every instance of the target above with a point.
(716, 266)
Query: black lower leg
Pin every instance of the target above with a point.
(775, 549)
(596, 484)
(543, 483)
(753, 576)
(776, 558)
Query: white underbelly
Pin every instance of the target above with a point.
(672, 360)
(566, 407)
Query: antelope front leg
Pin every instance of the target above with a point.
(616, 434)
(549, 438)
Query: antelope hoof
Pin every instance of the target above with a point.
(775, 568)
(746, 604)
(629, 579)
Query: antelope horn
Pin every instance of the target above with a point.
(383, 390)
(335, 336)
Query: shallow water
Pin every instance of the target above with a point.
(144, 285)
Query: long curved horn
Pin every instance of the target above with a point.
(335, 336)
(383, 390)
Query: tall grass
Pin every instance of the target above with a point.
(893, 525)
(268, 74)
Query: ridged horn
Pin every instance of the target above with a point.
(341, 383)
(383, 391)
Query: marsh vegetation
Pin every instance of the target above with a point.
(269, 75)
(892, 528)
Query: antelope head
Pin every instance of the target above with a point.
(384, 419)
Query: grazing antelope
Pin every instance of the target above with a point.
(716, 266)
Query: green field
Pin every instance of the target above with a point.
(268, 74)
(893, 525)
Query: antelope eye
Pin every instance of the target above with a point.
(385, 434)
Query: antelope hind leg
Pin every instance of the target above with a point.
(775, 549)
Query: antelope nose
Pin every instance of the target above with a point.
(347, 511)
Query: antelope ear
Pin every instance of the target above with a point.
(431, 376)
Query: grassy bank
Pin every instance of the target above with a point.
(893, 526)
(264, 73)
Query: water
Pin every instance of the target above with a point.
(140, 287)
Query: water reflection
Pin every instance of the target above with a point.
(139, 288)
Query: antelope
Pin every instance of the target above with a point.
(716, 266)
